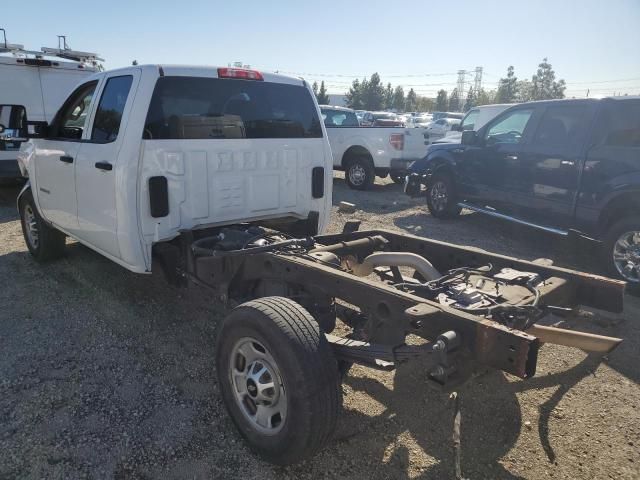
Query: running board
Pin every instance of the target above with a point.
(502, 216)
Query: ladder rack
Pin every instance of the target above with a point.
(62, 51)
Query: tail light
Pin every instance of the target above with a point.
(397, 141)
(240, 73)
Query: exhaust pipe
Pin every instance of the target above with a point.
(396, 259)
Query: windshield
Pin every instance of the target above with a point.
(469, 120)
(213, 108)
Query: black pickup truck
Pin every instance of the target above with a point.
(559, 165)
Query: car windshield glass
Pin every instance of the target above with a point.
(469, 121)
(213, 108)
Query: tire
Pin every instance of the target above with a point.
(397, 178)
(277, 334)
(628, 257)
(442, 198)
(45, 243)
(360, 172)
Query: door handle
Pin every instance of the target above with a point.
(511, 157)
(66, 159)
(104, 166)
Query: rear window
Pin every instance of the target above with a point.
(214, 108)
(339, 118)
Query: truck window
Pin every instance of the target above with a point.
(621, 122)
(109, 114)
(71, 120)
(509, 128)
(563, 125)
(215, 108)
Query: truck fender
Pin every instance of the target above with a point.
(352, 151)
(27, 186)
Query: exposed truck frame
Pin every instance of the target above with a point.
(393, 314)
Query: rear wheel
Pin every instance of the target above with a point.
(278, 378)
(44, 242)
(360, 173)
(442, 198)
(621, 250)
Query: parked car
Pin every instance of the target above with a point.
(39, 80)
(561, 166)
(439, 128)
(364, 152)
(422, 121)
(439, 115)
(474, 119)
(381, 119)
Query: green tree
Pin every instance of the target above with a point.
(471, 101)
(354, 95)
(484, 97)
(388, 97)
(508, 87)
(314, 88)
(441, 101)
(411, 103)
(425, 104)
(373, 93)
(454, 101)
(398, 99)
(323, 98)
(544, 85)
(524, 91)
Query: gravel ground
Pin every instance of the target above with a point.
(109, 374)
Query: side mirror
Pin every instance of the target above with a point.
(13, 123)
(469, 137)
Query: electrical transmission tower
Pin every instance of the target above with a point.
(477, 82)
(462, 78)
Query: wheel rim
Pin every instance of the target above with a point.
(257, 386)
(439, 195)
(31, 226)
(626, 256)
(357, 174)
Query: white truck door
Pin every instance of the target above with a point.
(96, 164)
(55, 160)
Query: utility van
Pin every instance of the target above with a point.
(40, 81)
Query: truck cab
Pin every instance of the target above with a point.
(138, 155)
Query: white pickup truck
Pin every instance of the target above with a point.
(366, 152)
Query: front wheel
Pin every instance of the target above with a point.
(621, 250)
(278, 378)
(442, 198)
(44, 242)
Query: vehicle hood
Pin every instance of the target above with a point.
(450, 137)
(420, 166)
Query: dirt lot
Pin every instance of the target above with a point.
(108, 374)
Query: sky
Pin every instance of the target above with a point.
(591, 44)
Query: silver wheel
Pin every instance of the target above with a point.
(626, 256)
(257, 386)
(357, 174)
(439, 195)
(31, 226)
